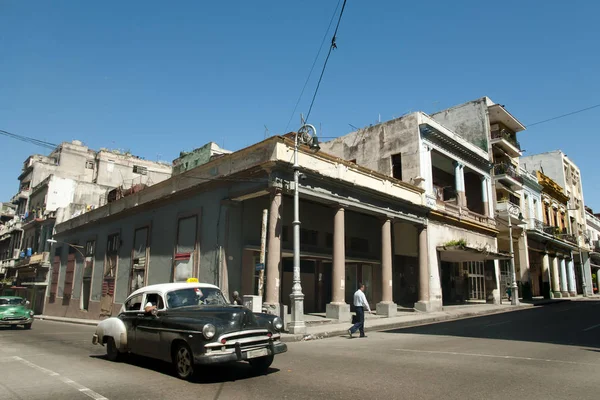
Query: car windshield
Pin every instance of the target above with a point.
(195, 297)
(11, 302)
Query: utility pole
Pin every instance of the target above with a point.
(263, 246)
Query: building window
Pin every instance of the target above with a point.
(138, 169)
(285, 236)
(185, 251)
(89, 165)
(138, 259)
(69, 273)
(329, 241)
(359, 245)
(112, 255)
(88, 270)
(397, 166)
(55, 274)
(309, 237)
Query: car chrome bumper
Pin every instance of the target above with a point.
(16, 322)
(217, 357)
(95, 339)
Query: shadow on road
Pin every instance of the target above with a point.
(230, 372)
(571, 323)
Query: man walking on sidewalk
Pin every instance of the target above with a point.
(360, 302)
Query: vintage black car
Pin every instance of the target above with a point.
(190, 324)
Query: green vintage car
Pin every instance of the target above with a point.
(14, 311)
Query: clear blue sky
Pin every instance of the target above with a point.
(157, 77)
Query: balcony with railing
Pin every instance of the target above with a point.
(508, 175)
(507, 141)
(555, 231)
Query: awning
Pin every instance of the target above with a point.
(466, 253)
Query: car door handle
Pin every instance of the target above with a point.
(141, 315)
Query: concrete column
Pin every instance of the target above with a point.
(459, 183)
(338, 309)
(386, 307)
(564, 290)
(423, 304)
(546, 275)
(555, 278)
(484, 195)
(272, 300)
(571, 278)
(598, 278)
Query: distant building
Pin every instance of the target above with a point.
(71, 180)
(565, 173)
(197, 157)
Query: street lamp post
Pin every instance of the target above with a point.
(297, 324)
(514, 290)
(75, 246)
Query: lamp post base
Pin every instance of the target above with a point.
(297, 324)
(514, 296)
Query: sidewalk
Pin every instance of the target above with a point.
(320, 328)
(402, 320)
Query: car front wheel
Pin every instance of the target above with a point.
(183, 361)
(261, 364)
(27, 326)
(112, 353)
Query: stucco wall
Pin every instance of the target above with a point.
(163, 221)
(373, 147)
(469, 120)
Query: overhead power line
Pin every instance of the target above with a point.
(332, 46)
(27, 139)
(564, 115)
(313, 65)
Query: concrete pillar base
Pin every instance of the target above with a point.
(428, 306)
(339, 311)
(387, 309)
(272, 308)
(572, 294)
(565, 294)
(557, 295)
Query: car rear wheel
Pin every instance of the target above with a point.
(112, 352)
(27, 326)
(261, 364)
(183, 361)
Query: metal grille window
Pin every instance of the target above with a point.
(476, 280)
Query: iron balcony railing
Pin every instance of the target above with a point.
(507, 169)
(502, 134)
(554, 231)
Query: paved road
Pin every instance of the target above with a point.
(550, 352)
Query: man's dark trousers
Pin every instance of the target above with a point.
(360, 324)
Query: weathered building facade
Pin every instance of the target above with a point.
(206, 223)
(455, 176)
(71, 180)
(565, 173)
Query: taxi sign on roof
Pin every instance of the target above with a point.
(192, 280)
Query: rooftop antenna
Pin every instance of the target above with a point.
(379, 119)
(266, 132)
(352, 126)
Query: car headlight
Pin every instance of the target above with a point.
(31, 313)
(209, 331)
(277, 323)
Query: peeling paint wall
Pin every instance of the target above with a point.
(373, 147)
(469, 120)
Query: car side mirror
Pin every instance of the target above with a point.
(154, 312)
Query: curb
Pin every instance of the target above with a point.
(288, 338)
(75, 321)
